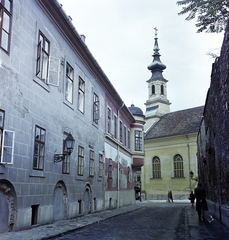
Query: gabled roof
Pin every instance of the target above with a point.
(177, 123)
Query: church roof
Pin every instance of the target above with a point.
(177, 123)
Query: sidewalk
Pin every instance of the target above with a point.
(192, 229)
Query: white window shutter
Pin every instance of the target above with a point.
(53, 75)
(7, 147)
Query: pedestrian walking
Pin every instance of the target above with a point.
(168, 196)
(171, 195)
(201, 203)
(192, 198)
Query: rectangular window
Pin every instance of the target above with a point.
(2, 117)
(100, 165)
(39, 148)
(128, 139)
(120, 131)
(138, 140)
(109, 120)
(81, 95)
(66, 161)
(92, 165)
(125, 135)
(115, 126)
(5, 24)
(69, 83)
(7, 147)
(43, 49)
(95, 108)
(80, 160)
(110, 169)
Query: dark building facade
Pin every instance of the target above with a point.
(213, 141)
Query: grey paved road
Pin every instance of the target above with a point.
(147, 223)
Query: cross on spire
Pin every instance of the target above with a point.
(155, 32)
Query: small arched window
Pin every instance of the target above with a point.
(178, 166)
(162, 89)
(156, 167)
(153, 89)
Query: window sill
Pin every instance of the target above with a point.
(155, 178)
(42, 84)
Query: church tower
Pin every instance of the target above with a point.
(157, 104)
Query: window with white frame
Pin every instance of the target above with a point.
(6, 11)
(125, 136)
(6, 142)
(69, 83)
(66, 161)
(138, 140)
(178, 166)
(115, 126)
(128, 139)
(101, 165)
(39, 148)
(80, 160)
(156, 167)
(81, 95)
(108, 120)
(120, 131)
(95, 108)
(43, 51)
(92, 164)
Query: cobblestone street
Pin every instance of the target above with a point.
(162, 222)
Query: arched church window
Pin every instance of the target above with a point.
(153, 89)
(156, 167)
(162, 89)
(178, 166)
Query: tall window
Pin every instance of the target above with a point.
(178, 166)
(109, 120)
(5, 24)
(81, 95)
(120, 131)
(66, 161)
(125, 137)
(138, 140)
(2, 117)
(95, 108)
(43, 49)
(69, 83)
(156, 167)
(101, 165)
(80, 160)
(115, 126)
(110, 168)
(92, 165)
(128, 139)
(39, 148)
(153, 89)
(162, 89)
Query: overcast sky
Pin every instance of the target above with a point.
(120, 35)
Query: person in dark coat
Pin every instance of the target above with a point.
(192, 198)
(201, 203)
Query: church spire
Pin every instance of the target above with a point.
(156, 66)
(157, 104)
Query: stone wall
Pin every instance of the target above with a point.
(213, 141)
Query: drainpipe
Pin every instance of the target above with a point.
(189, 164)
(118, 187)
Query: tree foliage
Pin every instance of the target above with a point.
(211, 15)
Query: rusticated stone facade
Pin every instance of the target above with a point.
(213, 137)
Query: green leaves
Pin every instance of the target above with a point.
(211, 15)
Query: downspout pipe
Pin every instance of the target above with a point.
(118, 187)
(189, 163)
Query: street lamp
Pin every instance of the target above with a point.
(67, 149)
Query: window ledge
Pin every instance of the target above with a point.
(42, 84)
(155, 178)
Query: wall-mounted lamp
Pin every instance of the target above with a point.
(68, 148)
(191, 176)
